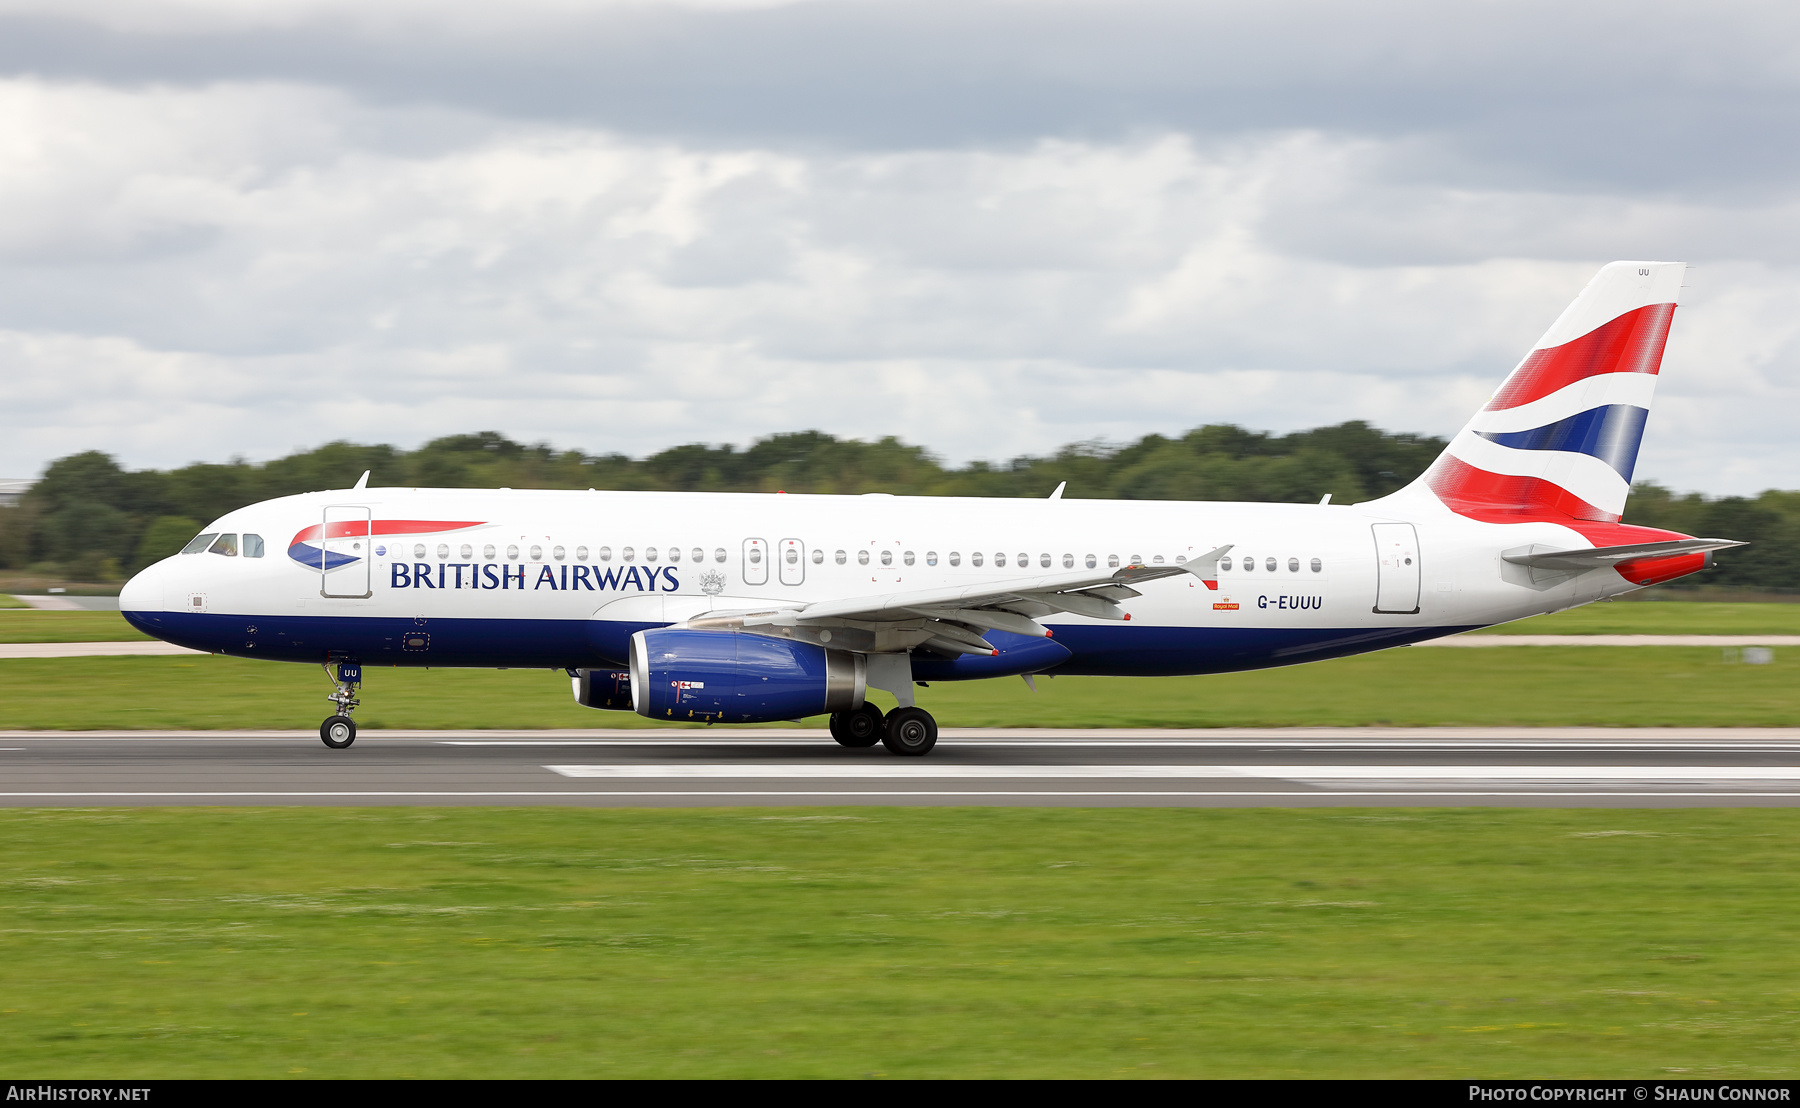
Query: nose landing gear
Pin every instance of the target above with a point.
(339, 731)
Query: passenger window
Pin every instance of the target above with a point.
(1293, 565)
(512, 553)
(975, 558)
(699, 555)
(557, 553)
(956, 558)
(627, 554)
(1025, 561)
(674, 554)
(200, 543)
(1044, 560)
(1092, 561)
(931, 557)
(227, 545)
(793, 558)
(419, 550)
(1112, 561)
(1225, 563)
(862, 557)
(1180, 558)
(253, 546)
(465, 553)
(488, 552)
(839, 557)
(581, 553)
(537, 553)
(719, 554)
(887, 557)
(444, 551)
(1269, 565)
(649, 554)
(999, 559)
(907, 557)
(1137, 559)
(1068, 561)
(1317, 565)
(818, 556)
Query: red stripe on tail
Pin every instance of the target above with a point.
(1632, 343)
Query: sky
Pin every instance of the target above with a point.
(235, 228)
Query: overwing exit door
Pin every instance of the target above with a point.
(756, 562)
(793, 562)
(1396, 568)
(344, 552)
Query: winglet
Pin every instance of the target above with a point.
(362, 482)
(1060, 486)
(1206, 566)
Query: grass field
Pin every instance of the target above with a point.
(899, 943)
(1610, 686)
(1595, 619)
(1647, 618)
(30, 625)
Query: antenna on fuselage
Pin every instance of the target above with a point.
(361, 482)
(1060, 486)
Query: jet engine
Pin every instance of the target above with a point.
(738, 677)
(602, 688)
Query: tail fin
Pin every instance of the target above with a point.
(1559, 440)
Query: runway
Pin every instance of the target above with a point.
(146, 647)
(1312, 767)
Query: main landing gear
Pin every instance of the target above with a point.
(339, 731)
(910, 732)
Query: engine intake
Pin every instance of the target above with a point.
(738, 677)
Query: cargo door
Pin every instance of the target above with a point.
(1396, 568)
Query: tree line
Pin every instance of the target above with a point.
(89, 519)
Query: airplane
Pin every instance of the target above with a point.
(747, 608)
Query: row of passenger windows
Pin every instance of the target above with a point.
(215, 543)
(1270, 565)
(841, 557)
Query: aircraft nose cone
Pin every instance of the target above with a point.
(143, 593)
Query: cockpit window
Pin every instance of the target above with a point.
(200, 543)
(253, 546)
(227, 545)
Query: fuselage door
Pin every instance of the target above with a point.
(1396, 568)
(756, 562)
(793, 561)
(345, 552)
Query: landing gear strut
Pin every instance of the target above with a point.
(339, 731)
(910, 732)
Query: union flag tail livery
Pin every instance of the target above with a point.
(733, 608)
(1559, 439)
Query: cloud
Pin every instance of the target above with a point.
(989, 228)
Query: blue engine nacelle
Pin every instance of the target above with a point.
(602, 688)
(736, 677)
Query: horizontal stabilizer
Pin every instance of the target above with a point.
(1539, 557)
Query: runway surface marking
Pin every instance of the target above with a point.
(1142, 794)
(926, 771)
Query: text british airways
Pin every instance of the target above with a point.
(487, 575)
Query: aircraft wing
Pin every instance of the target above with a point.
(953, 620)
(1601, 556)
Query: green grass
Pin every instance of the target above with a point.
(1609, 686)
(35, 626)
(7, 600)
(899, 942)
(1647, 618)
(1595, 619)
